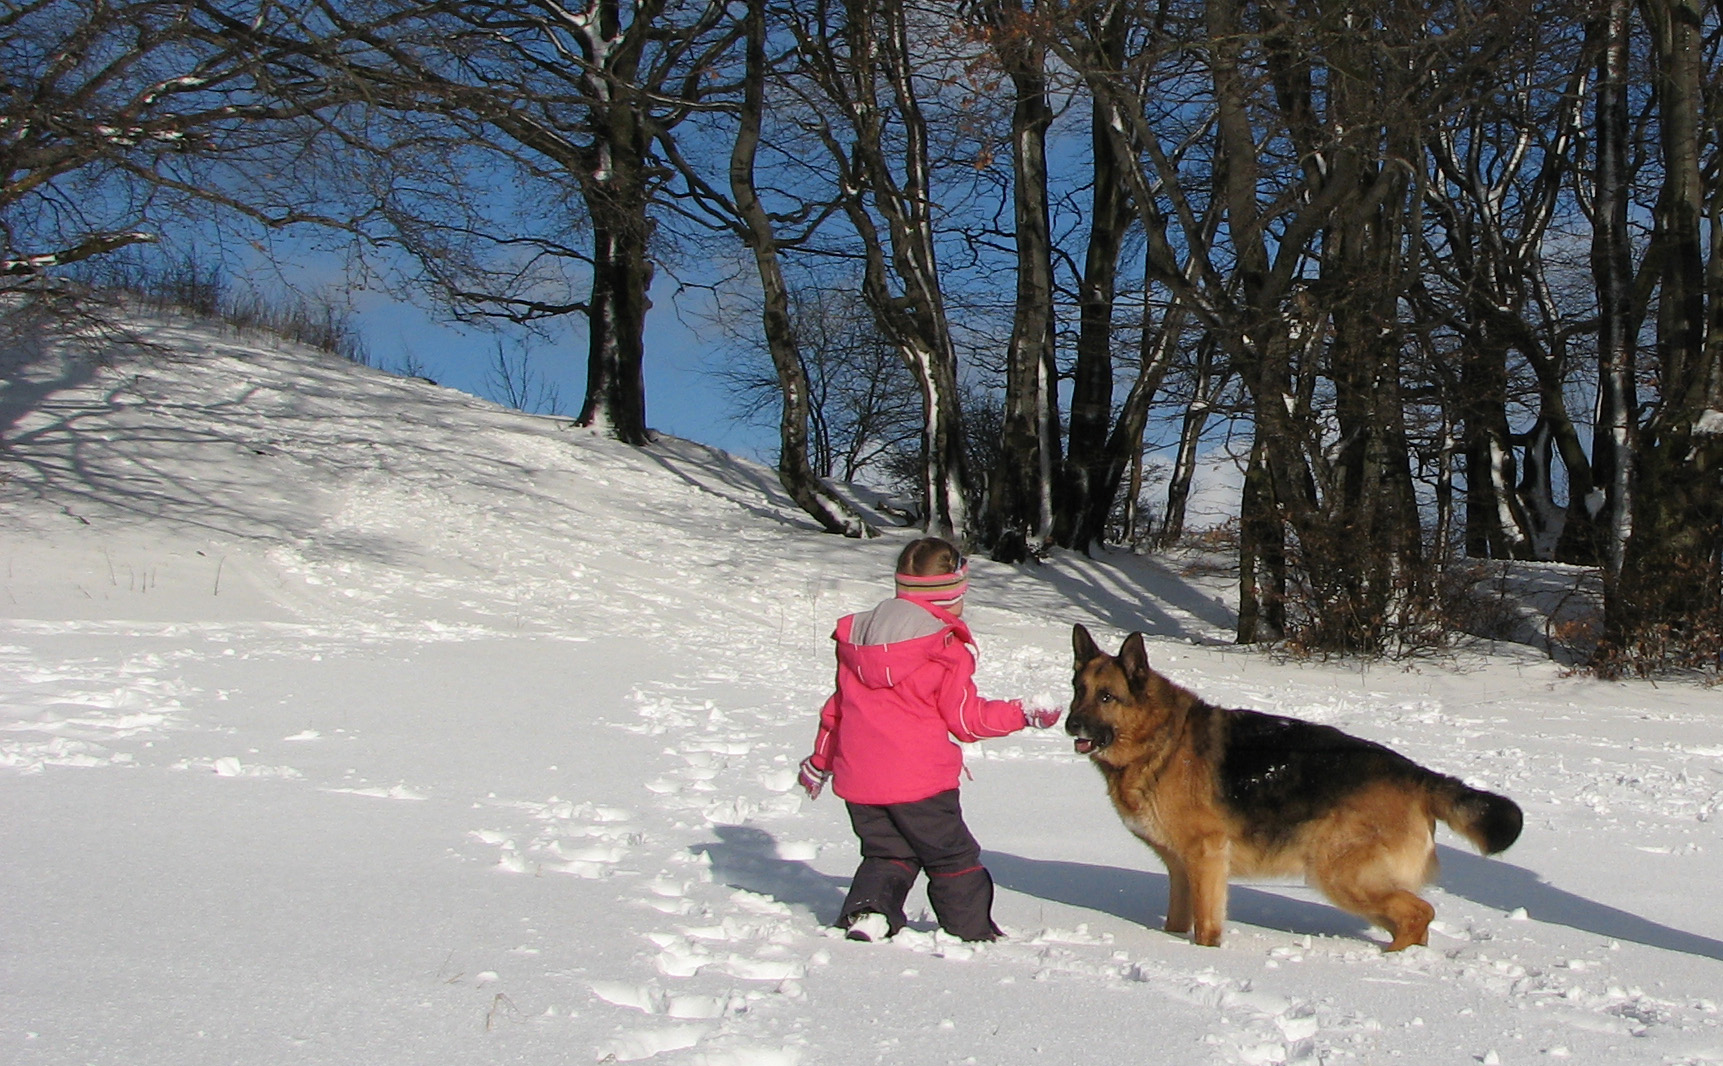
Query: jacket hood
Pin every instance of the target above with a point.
(880, 666)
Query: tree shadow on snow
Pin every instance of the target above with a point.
(770, 505)
(747, 858)
(1506, 887)
(1133, 593)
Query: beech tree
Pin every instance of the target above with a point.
(572, 102)
(1020, 498)
(744, 213)
(1089, 478)
(861, 59)
(1295, 247)
(1665, 604)
(118, 121)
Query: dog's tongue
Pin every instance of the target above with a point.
(1084, 745)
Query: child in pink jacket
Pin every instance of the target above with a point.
(905, 690)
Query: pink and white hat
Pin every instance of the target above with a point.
(938, 590)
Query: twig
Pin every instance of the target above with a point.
(496, 1006)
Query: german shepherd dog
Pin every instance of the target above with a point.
(1220, 793)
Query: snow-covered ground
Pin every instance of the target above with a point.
(345, 719)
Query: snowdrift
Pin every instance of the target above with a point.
(344, 718)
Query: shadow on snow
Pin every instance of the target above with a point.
(746, 857)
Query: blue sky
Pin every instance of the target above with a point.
(682, 397)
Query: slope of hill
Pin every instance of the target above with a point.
(344, 718)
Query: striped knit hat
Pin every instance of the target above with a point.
(938, 590)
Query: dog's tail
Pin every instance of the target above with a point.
(1489, 821)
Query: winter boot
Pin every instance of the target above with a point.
(963, 902)
(880, 887)
(868, 927)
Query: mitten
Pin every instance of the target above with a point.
(812, 778)
(1044, 717)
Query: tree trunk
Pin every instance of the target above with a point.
(1261, 554)
(862, 61)
(1667, 607)
(1578, 539)
(1020, 493)
(616, 322)
(794, 472)
(1125, 444)
(618, 196)
(1084, 498)
(1615, 436)
(1536, 490)
(1205, 390)
(1495, 522)
(1365, 561)
(1279, 489)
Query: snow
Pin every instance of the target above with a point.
(346, 719)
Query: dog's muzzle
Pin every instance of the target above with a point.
(1090, 736)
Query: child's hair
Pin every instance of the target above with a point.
(929, 555)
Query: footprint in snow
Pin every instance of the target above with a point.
(645, 1043)
(650, 999)
(233, 766)
(583, 840)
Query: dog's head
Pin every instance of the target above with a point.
(1118, 702)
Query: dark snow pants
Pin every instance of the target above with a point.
(898, 842)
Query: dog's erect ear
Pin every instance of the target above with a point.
(1134, 661)
(1084, 645)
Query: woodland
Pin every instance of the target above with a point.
(1446, 280)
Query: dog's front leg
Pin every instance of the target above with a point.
(1178, 891)
(1208, 864)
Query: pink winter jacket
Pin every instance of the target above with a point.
(886, 733)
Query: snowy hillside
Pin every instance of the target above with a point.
(346, 719)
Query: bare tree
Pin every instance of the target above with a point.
(1020, 496)
(577, 101)
(746, 215)
(1616, 429)
(863, 405)
(1499, 187)
(117, 120)
(1293, 240)
(862, 59)
(1207, 383)
(514, 380)
(1665, 605)
(1085, 495)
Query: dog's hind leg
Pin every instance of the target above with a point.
(1374, 856)
(1377, 884)
(1401, 912)
(1408, 917)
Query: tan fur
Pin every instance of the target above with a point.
(1369, 853)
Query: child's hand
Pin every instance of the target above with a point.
(1044, 717)
(812, 778)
